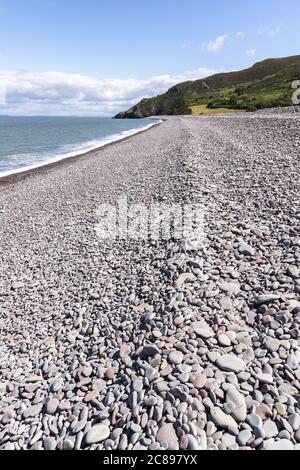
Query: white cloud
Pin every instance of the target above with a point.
(217, 45)
(59, 93)
(251, 53)
(240, 35)
(271, 32)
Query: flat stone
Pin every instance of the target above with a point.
(228, 440)
(226, 304)
(272, 344)
(244, 437)
(281, 409)
(199, 380)
(150, 350)
(270, 429)
(224, 340)
(192, 442)
(87, 371)
(224, 421)
(267, 298)
(293, 272)
(124, 351)
(255, 421)
(239, 411)
(33, 411)
(230, 287)
(137, 385)
(162, 387)
(90, 396)
(288, 389)
(246, 249)
(179, 320)
(50, 443)
(231, 363)
(294, 421)
(9, 446)
(98, 433)
(150, 373)
(52, 406)
(99, 385)
(17, 285)
(265, 378)
(68, 444)
(202, 332)
(184, 278)
(282, 444)
(175, 357)
(166, 434)
(110, 374)
(264, 412)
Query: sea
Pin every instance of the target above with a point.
(31, 142)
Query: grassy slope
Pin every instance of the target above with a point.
(266, 84)
(203, 110)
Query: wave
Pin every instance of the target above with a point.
(75, 150)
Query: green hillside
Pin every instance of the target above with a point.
(265, 85)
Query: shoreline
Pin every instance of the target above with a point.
(23, 174)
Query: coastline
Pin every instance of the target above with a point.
(41, 168)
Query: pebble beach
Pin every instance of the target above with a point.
(148, 345)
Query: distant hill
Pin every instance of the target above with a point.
(265, 85)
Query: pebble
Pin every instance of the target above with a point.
(272, 344)
(255, 421)
(175, 357)
(202, 330)
(293, 272)
(270, 429)
(226, 304)
(150, 350)
(267, 298)
(224, 421)
(230, 287)
(52, 406)
(183, 279)
(281, 409)
(167, 434)
(244, 437)
(17, 285)
(231, 363)
(265, 378)
(224, 340)
(33, 411)
(239, 410)
(110, 374)
(98, 433)
(192, 442)
(137, 385)
(282, 444)
(246, 249)
(199, 380)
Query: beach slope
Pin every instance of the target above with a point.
(140, 344)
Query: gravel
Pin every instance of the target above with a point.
(152, 344)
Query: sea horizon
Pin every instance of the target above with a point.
(26, 142)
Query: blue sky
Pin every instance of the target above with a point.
(132, 39)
